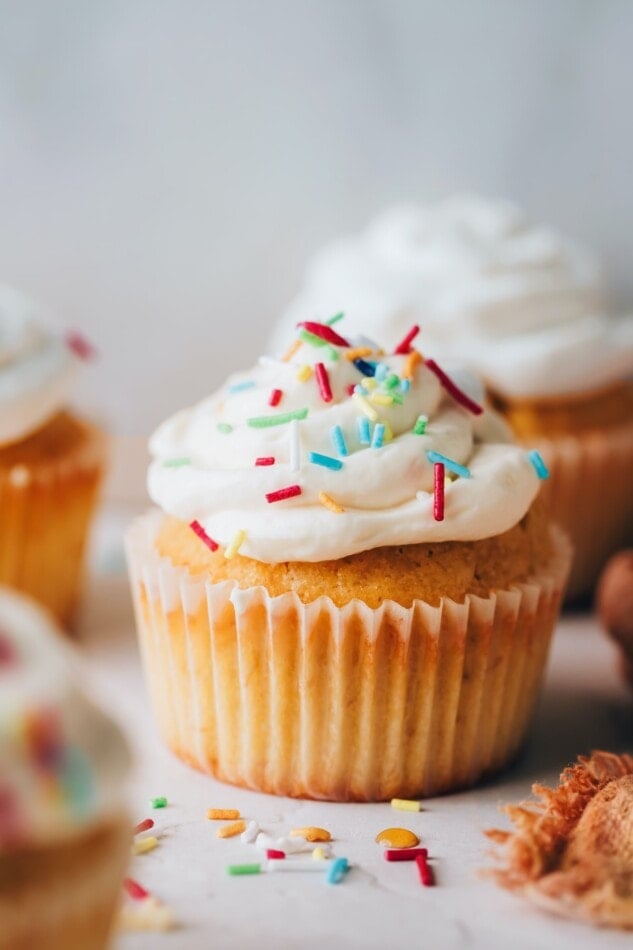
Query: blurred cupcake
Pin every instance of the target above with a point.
(64, 834)
(348, 593)
(524, 307)
(51, 461)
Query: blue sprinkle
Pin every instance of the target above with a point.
(359, 389)
(538, 464)
(378, 436)
(338, 440)
(367, 369)
(325, 460)
(240, 387)
(337, 871)
(381, 371)
(405, 385)
(449, 463)
(362, 426)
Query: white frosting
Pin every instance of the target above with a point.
(521, 304)
(62, 762)
(36, 367)
(387, 492)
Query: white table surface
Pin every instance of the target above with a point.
(379, 905)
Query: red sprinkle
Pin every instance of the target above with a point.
(7, 652)
(324, 332)
(265, 460)
(275, 397)
(324, 382)
(454, 390)
(425, 872)
(283, 493)
(349, 389)
(405, 854)
(404, 346)
(135, 890)
(197, 528)
(274, 854)
(80, 346)
(438, 499)
(144, 825)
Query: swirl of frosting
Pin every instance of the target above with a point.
(37, 368)
(62, 761)
(209, 461)
(520, 304)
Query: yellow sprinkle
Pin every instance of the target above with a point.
(397, 838)
(369, 382)
(412, 360)
(380, 398)
(328, 502)
(304, 373)
(405, 804)
(222, 814)
(388, 436)
(364, 406)
(357, 353)
(290, 352)
(229, 831)
(143, 845)
(238, 539)
(319, 854)
(311, 834)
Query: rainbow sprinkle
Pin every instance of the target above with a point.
(337, 871)
(381, 371)
(365, 407)
(304, 374)
(420, 425)
(458, 395)
(241, 387)
(177, 463)
(265, 460)
(405, 385)
(265, 422)
(335, 318)
(367, 369)
(539, 466)
(238, 540)
(405, 345)
(438, 495)
(328, 502)
(357, 353)
(290, 352)
(295, 446)
(275, 397)
(224, 427)
(362, 427)
(159, 802)
(413, 359)
(80, 346)
(282, 493)
(450, 464)
(326, 461)
(338, 440)
(197, 528)
(323, 381)
(381, 398)
(378, 436)
(323, 332)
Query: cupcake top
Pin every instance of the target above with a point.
(521, 304)
(337, 448)
(37, 367)
(62, 762)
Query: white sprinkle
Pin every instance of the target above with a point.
(265, 841)
(295, 447)
(249, 836)
(298, 864)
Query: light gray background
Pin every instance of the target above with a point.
(167, 167)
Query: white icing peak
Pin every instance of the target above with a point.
(204, 462)
(521, 304)
(37, 367)
(62, 762)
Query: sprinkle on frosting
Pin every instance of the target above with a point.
(327, 461)
(364, 433)
(457, 394)
(438, 493)
(242, 386)
(304, 373)
(238, 540)
(364, 406)
(536, 460)
(224, 427)
(328, 502)
(197, 528)
(292, 350)
(338, 440)
(177, 463)
(405, 345)
(413, 359)
(275, 397)
(80, 345)
(450, 464)
(378, 436)
(323, 381)
(265, 422)
(283, 493)
(295, 446)
(323, 332)
(264, 460)
(420, 425)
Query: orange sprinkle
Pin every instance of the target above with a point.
(358, 353)
(328, 502)
(290, 352)
(311, 834)
(222, 814)
(229, 831)
(412, 360)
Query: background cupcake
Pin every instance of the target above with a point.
(51, 461)
(64, 835)
(349, 593)
(527, 309)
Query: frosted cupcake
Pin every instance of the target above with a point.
(51, 461)
(347, 592)
(526, 308)
(64, 835)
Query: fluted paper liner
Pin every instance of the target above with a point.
(45, 514)
(347, 704)
(590, 494)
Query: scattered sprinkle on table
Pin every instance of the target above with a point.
(397, 838)
(135, 890)
(424, 871)
(159, 802)
(275, 855)
(405, 804)
(404, 854)
(311, 833)
(236, 870)
(143, 845)
(229, 831)
(337, 871)
(297, 864)
(223, 814)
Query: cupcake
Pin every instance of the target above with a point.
(51, 461)
(524, 307)
(348, 589)
(64, 834)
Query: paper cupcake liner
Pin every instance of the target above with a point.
(64, 896)
(590, 494)
(347, 704)
(45, 514)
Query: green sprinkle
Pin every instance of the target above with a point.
(311, 338)
(391, 381)
(176, 463)
(236, 869)
(420, 426)
(331, 352)
(264, 422)
(397, 398)
(160, 802)
(224, 427)
(335, 319)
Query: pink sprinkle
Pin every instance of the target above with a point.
(135, 890)
(438, 499)
(349, 389)
(425, 872)
(275, 397)
(454, 390)
(324, 332)
(265, 460)
(144, 825)
(324, 382)
(197, 528)
(404, 346)
(7, 652)
(275, 855)
(80, 346)
(283, 493)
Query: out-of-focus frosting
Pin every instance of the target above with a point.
(208, 474)
(37, 367)
(62, 762)
(521, 304)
